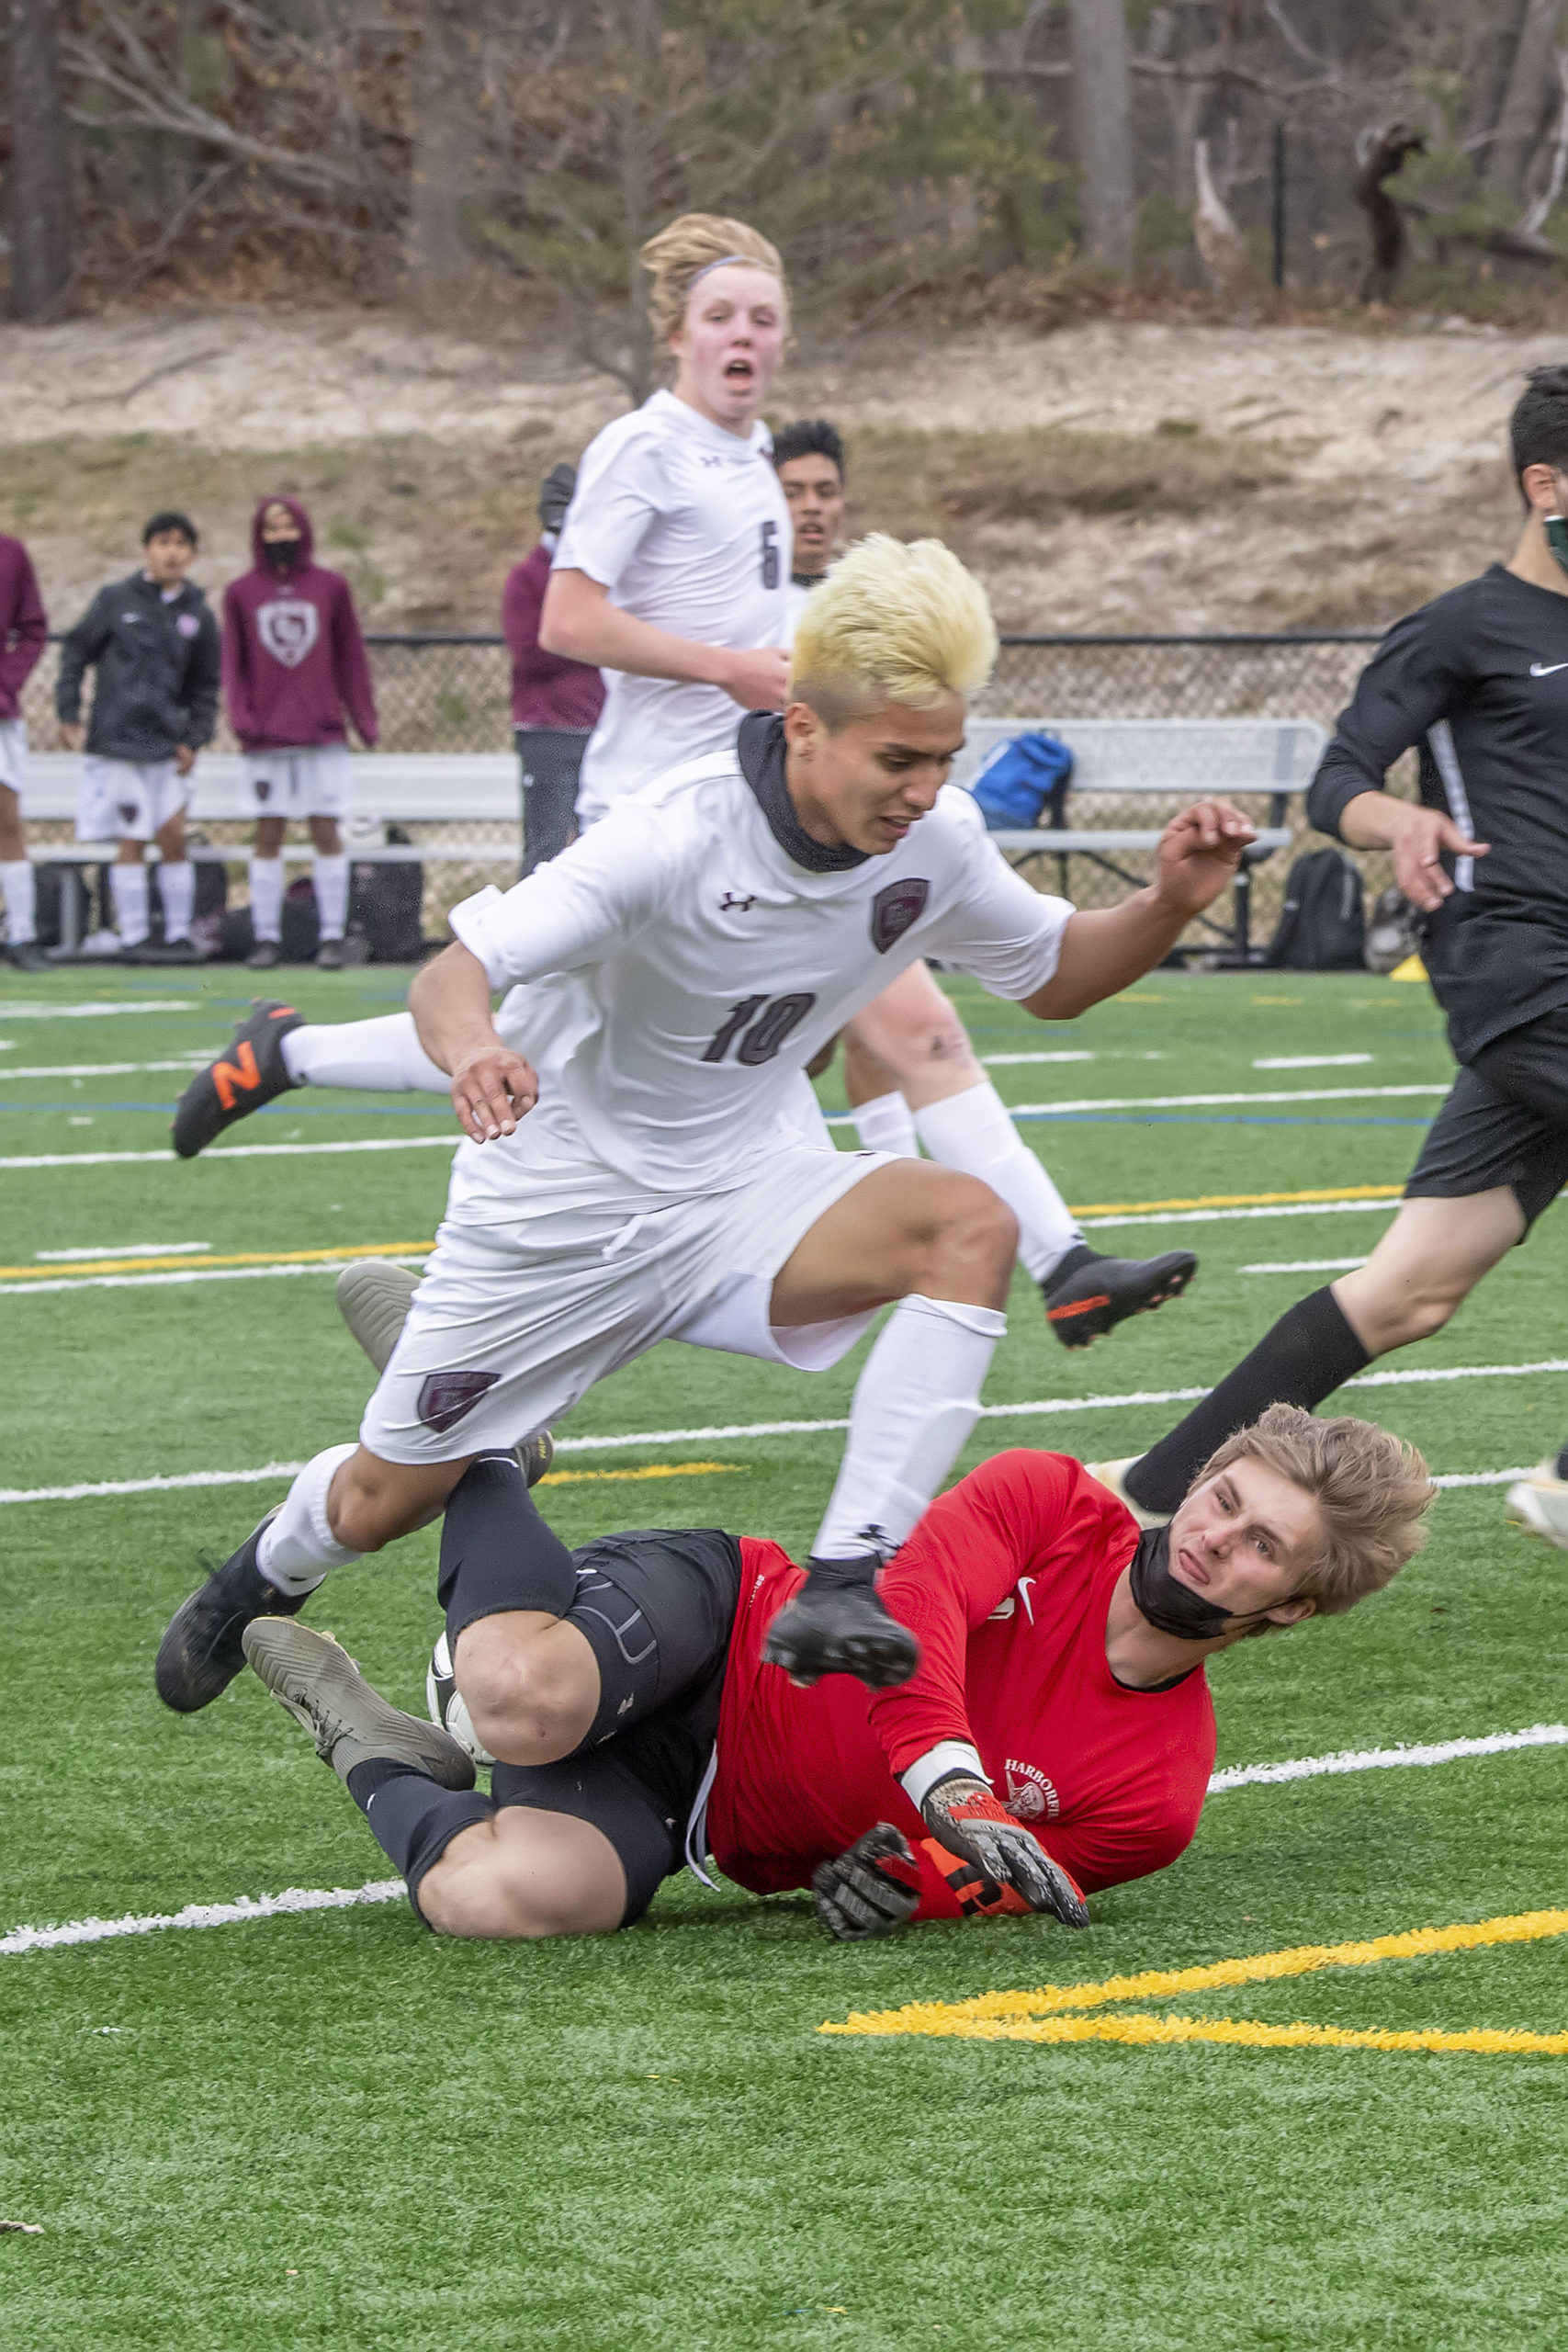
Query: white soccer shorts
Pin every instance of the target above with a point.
(315, 781)
(13, 753)
(128, 800)
(511, 1324)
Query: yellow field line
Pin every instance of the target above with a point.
(239, 1258)
(1299, 1959)
(654, 1470)
(1243, 1199)
(1145, 2031)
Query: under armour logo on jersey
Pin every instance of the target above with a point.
(895, 909)
(733, 902)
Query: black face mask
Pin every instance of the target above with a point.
(282, 554)
(1170, 1606)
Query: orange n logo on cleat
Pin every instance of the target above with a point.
(240, 1074)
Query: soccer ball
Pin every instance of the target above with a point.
(446, 1708)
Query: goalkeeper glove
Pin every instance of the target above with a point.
(963, 1816)
(873, 1889)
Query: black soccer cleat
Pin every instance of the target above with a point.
(836, 1624)
(1088, 1295)
(27, 955)
(201, 1650)
(250, 1073)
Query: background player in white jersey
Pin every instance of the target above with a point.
(678, 965)
(673, 574)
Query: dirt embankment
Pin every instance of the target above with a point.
(1107, 476)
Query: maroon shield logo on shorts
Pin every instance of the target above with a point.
(447, 1396)
(127, 811)
(895, 909)
(261, 787)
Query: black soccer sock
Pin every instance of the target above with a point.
(413, 1818)
(497, 1553)
(1310, 1352)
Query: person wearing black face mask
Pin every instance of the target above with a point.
(295, 674)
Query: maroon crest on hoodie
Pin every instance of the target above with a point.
(295, 671)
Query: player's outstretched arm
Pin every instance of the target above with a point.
(492, 1086)
(1105, 949)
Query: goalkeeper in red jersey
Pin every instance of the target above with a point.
(1056, 1737)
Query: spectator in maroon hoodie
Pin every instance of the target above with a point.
(555, 701)
(295, 673)
(23, 630)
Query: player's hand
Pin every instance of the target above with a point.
(757, 680)
(963, 1816)
(493, 1088)
(873, 1888)
(1424, 837)
(1199, 854)
(185, 759)
(73, 734)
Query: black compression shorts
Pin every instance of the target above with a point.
(1504, 1122)
(639, 1787)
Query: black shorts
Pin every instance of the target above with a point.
(1504, 1122)
(639, 1786)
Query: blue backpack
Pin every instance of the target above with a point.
(1019, 778)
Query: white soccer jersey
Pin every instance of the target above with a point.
(688, 529)
(679, 967)
(798, 595)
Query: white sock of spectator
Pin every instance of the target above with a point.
(176, 888)
(20, 890)
(332, 895)
(130, 886)
(266, 898)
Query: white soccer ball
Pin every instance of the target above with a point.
(445, 1706)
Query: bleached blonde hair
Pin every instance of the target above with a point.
(891, 622)
(677, 254)
(1373, 1491)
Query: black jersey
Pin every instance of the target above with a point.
(1478, 680)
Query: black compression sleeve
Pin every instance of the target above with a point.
(497, 1553)
(1310, 1352)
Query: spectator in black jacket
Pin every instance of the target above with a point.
(153, 641)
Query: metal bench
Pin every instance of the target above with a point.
(1179, 759)
(390, 788)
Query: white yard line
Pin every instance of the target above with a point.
(187, 1063)
(123, 1250)
(1010, 1061)
(1228, 1216)
(297, 1899)
(102, 1010)
(1309, 1061)
(202, 1275)
(233, 1151)
(1203, 1102)
(1302, 1266)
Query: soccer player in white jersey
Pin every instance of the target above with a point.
(635, 1168)
(674, 575)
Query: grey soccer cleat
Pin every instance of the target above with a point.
(324, 1690)
(1541, 1504)
(373, 1298)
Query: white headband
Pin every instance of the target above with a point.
(748, 261)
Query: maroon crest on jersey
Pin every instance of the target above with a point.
(895, 909)
(447, 1396)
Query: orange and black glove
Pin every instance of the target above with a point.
(872, 1889)
(990, 1847)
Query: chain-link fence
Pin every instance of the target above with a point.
(452, 693)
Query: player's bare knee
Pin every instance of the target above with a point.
(517, 1705)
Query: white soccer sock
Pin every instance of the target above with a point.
(886, 1123)
(383, 1056)
(973, 1133)
(266, 898)
(176, 888)
(331, 894)
(915, 1404)
(128, 884)
(299, 1547)
(21, 891)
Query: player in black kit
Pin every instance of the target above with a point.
(1477, 682)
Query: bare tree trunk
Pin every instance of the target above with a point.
(446, 133)
(1102, 117)
(41, 171)
(1529, 89)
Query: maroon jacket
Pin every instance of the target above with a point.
(24, 628)
(294, 664)
(547, 689)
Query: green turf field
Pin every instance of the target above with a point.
(331, 2129)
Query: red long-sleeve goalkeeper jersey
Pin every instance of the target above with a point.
(1007, 1582)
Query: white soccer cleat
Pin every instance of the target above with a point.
(445, 1706)
(1539, 1503)
(1110, 1473)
